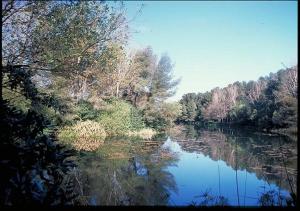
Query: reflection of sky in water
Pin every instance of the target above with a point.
(196, 173)
(93, 201)
(141, 170)
(172, 146)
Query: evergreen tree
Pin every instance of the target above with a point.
(163, 84)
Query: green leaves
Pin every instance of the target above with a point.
(76, 30)
(86, 111)
(163, 84)
(120, 117)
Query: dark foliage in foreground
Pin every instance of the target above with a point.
(32, 165)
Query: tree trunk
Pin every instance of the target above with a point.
(135, 98)
(118, 82)
(117, 92)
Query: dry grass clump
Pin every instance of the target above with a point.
(146, 133)
(87, 144)
(87, 135)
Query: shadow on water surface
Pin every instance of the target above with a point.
(271, 158)
(128, 174)
(196, 166)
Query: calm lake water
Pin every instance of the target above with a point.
(212, 166)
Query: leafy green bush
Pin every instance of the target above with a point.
(136, 119)
(119, 117)
(16, 99)
(86, 111)
(154, 119)
(170, 112)
(54, 118)
(87, 135)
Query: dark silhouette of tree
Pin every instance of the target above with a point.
(32, 165)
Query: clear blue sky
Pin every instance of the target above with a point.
(213, 44)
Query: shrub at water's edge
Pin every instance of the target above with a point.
(87, 135)
(119, 117)
(115, 118)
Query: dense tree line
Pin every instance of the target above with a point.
(268, 103)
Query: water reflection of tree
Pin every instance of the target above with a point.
(190, 132)
(139, 180)
(272, 158)
(207, 199)
(274, 198)
(269, 198)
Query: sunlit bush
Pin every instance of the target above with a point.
(87, 135)
(119, 117)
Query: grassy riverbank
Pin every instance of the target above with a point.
(90, 126)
